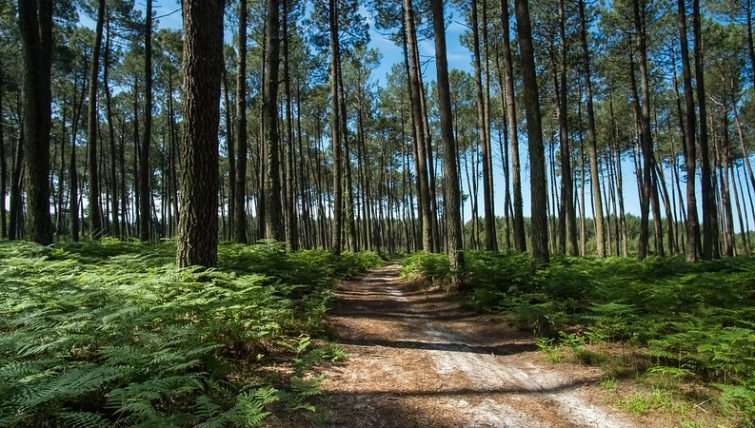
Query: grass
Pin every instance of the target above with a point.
(112, 334)
(687, 322)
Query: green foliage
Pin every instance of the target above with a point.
(641, 402)
(431, 266)
(693, 319)
(609, 384)
(97, 334)
(551, 349)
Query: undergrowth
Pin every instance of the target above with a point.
(112, 334)
(693, 321)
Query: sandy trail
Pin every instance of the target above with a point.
(417, 359)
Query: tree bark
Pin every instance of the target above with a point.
(239, 225)
(567, 185)
(710, 221)
(230, 143)
(646, 139)
(292, 233)
(419, 130)
(274, 228)
(95, 210)
(534, 134)
(690, 155)
(16, 185)
(35, 24)
(335, 60)
(482, 126)
(591, 135)
(202, 68)
(452, 197)
(520, 242)
(145, 171)
(111, 135)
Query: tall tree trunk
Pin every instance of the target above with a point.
(419, 130)
(452, 197)
(482, 126)
(230, 144)
(534, 133)
(520, 242)
(122, 164)
(567, 185)
(95, 210)
(335, 60)
(292, 233)
(135, 158)
(646, 138)
(591, 135)
(74, 202)
(239, 226)
(35, 24)
(202, 69)
(145, 171)
(349, 215)
(274, 228)
(708, 193)
(111, 135)
(690, 149)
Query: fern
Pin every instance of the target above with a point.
(95, 333)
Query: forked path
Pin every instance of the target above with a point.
(417, 359)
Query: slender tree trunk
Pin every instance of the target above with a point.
(230, 143)
(725, 160)
(136, 186)
(124, 195)
(239, 225)
(708, 193)
(60, 218)
(16, 211)
(95, 211)
(74, 202)
(274, 227)
(520, 242)
(419, 130)
(646, 139)
(173, 176)
(145, 171)
(35, 24)
(348, 216)
(743, 230)
(660, 179)
(489, 220)
(567, 185)
(534, 133)
(452, 197)
(336, 138)
(591, 135)
(198, 220)
(292, 233)
(111, 135)
(690, 155)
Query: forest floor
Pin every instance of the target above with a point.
(416, 358)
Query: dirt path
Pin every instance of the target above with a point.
(417, 359)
